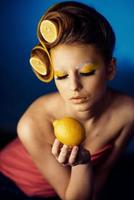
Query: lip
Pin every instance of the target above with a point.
(78, 99)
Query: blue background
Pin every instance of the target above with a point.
(19, 86)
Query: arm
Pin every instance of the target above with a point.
(67, 182)
(80, 185)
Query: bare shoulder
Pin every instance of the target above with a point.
(124, 117)
(36, 134)
(39, 116)
(44, 105)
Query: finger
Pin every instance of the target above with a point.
(56, 148)
(73, 155)
(63, 154)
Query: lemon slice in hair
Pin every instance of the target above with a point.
(38, 65)
(48, 30)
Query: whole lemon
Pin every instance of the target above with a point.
(69, 131)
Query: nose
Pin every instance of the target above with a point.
(75, 83)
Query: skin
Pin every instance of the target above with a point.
(106, 114)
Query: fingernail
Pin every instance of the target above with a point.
(57, 141)
(76, 148)
(65, 146)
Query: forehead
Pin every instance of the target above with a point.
(72, 55)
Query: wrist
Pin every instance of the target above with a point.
(83, 158)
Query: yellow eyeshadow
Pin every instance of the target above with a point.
(88, 68)
(59, 73)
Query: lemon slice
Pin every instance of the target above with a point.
(38, 65)
(69, 131)
(48, 30)
(41, 63)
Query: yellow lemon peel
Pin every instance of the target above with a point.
(43, 72)
(69, 131)
(48, 30)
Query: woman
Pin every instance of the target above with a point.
(76, 44)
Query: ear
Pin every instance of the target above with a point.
(111, 69)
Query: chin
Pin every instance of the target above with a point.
(82, 107)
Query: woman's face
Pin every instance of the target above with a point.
(80, 74)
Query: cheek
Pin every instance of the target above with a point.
(61, 88)
(95, 84)
(58, 86)
(99, 87)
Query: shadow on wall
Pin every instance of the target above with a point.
(124, 80)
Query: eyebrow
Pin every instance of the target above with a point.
(78, 66)
(60, 71)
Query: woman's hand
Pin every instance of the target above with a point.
(70, 156)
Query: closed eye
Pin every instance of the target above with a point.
(81, 73)
(88, 73)
(61, 77)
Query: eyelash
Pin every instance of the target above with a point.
(89, 73)
(60, 78)
(83, 74)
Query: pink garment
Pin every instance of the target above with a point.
(16, 164)
(101, 155)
